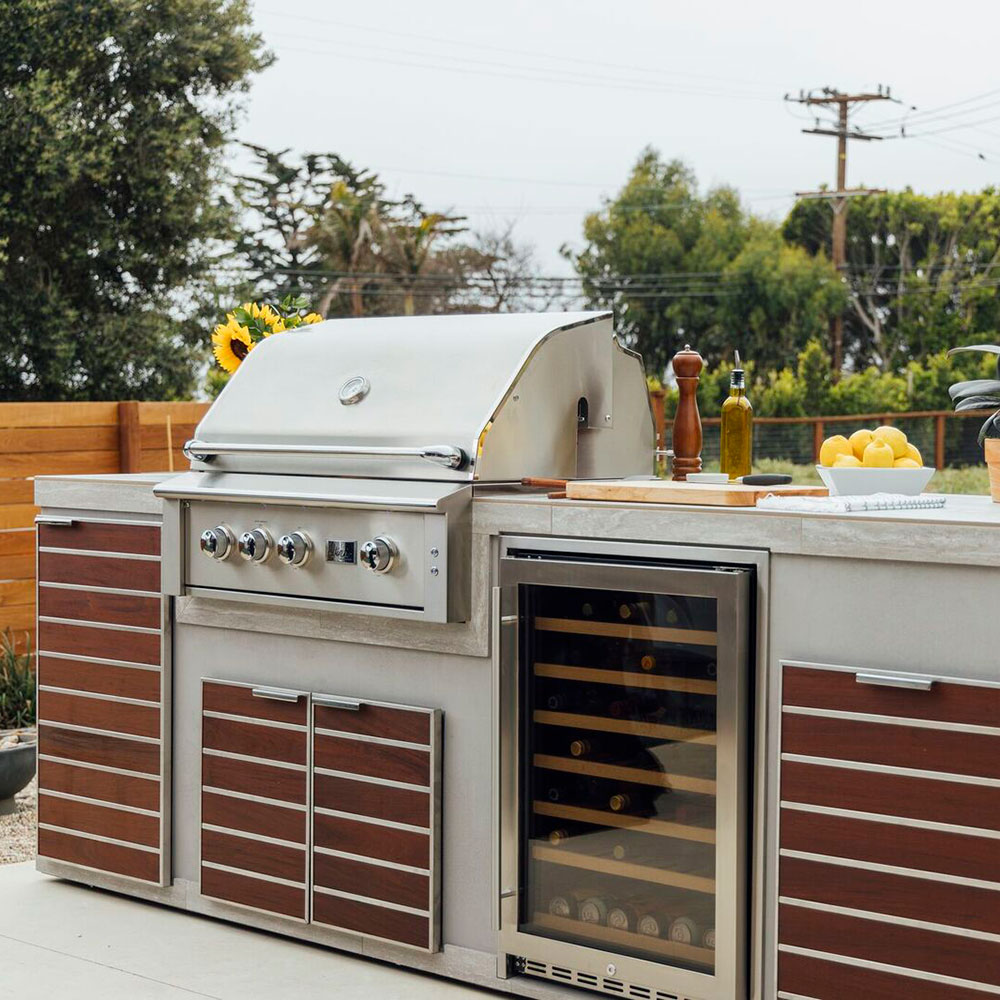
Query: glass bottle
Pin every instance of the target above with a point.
(737, 427)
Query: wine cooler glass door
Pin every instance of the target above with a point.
(627, 765)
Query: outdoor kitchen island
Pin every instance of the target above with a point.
(867, 864)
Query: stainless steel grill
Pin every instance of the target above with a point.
(338, 465)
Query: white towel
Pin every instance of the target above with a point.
(845, 505)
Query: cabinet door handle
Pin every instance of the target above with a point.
(54, 521)
(276, 694)
(903, 681)
(331, 701)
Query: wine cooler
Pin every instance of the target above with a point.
(624, 680)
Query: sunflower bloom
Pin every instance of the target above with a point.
(231, 343)
(312, 318)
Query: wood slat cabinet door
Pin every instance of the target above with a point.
(254, 797)
(375, 819)
(103, 711)
(889, 836)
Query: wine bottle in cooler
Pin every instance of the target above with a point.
(623, 917)
(581, 791)
(634, 612)
(686, 930)
(568, 904)
(655, 921)
(594, 909)
(635, 800)
(708, 939)
(567, 833)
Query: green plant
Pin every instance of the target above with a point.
(980, 393)
(17, 684)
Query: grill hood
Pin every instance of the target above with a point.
(493, 397)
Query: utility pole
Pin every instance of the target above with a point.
(832, 98)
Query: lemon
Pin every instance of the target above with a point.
(894, 438)
(914, 453)
(878, 455)
(847, 462)
(905, 463)
(859, 441)
(832, 447)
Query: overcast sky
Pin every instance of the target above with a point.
(531, 110)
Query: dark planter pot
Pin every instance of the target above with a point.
(17, 768)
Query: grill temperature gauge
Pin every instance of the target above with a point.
(294, 548)
(380, 554)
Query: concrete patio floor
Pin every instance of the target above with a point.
(58, 939)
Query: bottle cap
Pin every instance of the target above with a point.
(737, 378)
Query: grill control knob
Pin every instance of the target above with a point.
(380, 554)
(294, 549)
(256, 545)
(217, 543)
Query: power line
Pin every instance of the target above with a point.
(547, 56)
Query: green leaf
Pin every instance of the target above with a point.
(975, 387)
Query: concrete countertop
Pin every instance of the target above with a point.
(965, 531)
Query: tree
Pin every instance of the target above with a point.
(113, 119)
(922, 271)
(654, 253)
(775, 298)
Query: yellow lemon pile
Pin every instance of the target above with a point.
(881, 448)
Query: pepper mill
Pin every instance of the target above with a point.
(687, 423)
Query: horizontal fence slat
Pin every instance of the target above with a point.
(17, 567)
(16, 491)
(179, 413)
(17, 515)
(13, 593)
(154, 436)
(58, 463)
(35, 440)
(17, 541)
(159, 461)
(58, 414)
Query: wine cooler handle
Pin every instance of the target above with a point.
(906, 682)
(332, 701)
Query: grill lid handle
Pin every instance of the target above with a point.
(450, 456)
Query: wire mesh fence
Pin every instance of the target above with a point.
(945, 439)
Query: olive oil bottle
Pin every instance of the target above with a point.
(737, 427)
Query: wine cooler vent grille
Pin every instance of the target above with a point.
(612, 987)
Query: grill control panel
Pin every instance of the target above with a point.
(375, 560)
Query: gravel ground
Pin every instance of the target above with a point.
(17, 830)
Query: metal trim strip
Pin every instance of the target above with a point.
(891, 720)
(919, 824)
(87, 519)
(101, 659)
(253, 874)
(98, 767)
(898, 970)
(109, 626)
(363, 738)
(247, 719)
(903, 772)
(387, 782)
(873, 866)
(885, 918)
(378, 862)
(99, 802)
(391, 824)
(102, 732)
(251, 836)
(98, 553)
(98, 696)
(298, 807)
(105, 873)
(124, 592)
(785, 995)
(385, 904)
(247, 759)
(98, 837)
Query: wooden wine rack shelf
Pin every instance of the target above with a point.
(631, 727)
(635, 775)
(624, 821)
(616, 630)
(639, 942)
(627, 678)
(625, 869)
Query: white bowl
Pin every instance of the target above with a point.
(854, 482)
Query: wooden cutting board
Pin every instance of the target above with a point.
(667, 491)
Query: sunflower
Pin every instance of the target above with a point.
(312, 318)
(231, 343)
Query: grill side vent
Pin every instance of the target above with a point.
(609, 987)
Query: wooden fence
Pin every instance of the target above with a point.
(39, 439)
